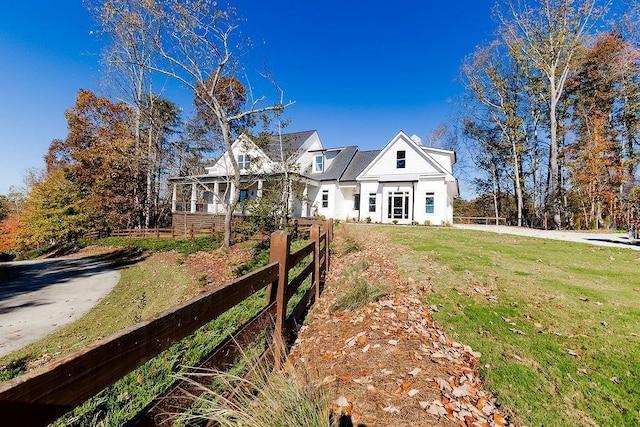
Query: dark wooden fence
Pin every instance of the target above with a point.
(157, 233)
(43, 395)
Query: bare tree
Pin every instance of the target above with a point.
(550, 36)
(493, 80)
(194, 44)
(129, 55)
(196, 47)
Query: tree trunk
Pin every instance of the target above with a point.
(556, 195)
(518, 182)
(235, 194)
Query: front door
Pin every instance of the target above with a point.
(398, 207)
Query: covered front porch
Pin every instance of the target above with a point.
(204, 195)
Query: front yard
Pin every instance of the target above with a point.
(557, 323)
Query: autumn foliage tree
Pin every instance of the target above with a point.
(99, 157)
(595, 158)
(11, 218)
(563, 101)
(90, 179)
(54, 213)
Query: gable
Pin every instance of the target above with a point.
(417, 162)
(260, 162)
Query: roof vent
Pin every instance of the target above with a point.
(416, 139)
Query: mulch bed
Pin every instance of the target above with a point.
(389, 363)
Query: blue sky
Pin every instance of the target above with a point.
(358, 71)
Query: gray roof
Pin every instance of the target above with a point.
(361, 160)
(337, 167)
(291, 143)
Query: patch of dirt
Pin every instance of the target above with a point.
(389, 363)
(90, 251)
(217, 268)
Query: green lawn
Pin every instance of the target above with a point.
(558, 323)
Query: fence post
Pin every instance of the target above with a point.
(328, 230)
(279, 252)
(314, 235)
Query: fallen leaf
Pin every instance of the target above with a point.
(481, 403)
(572, 353)
(328, 379)
(614, 380)
(444, 385)
(433, 409)
(362, 380)
(413, 392)
(499, 419)
(415, 372)
(393, 342)
(391, 409)
(461, 391)
(342, 406)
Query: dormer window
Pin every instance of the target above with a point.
(244, 160)
(401, 159)
(318, 163)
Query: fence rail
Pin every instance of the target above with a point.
(157, 233)
(41, 396)
(186, 231)
(486, 220)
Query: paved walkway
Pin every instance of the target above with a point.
(619, 240)
(39, 297)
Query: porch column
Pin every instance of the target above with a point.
(216, 196)
(174, 197)
(305, 204)
(194, 197)
(259, 192)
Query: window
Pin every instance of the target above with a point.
(318, 163)
(356, 202)
(372, 202)
(400, 159)
(398, 207)
(429, 203)
(325, 198)
(244, 195)
(244, 160)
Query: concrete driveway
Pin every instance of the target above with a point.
(39, 297)
(618, 240)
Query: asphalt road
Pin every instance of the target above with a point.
(39, 297)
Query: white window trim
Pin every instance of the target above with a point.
(316, 169)
(433, 203)
(244, 161)
(322, 199)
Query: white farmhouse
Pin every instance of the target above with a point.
(404, 182)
